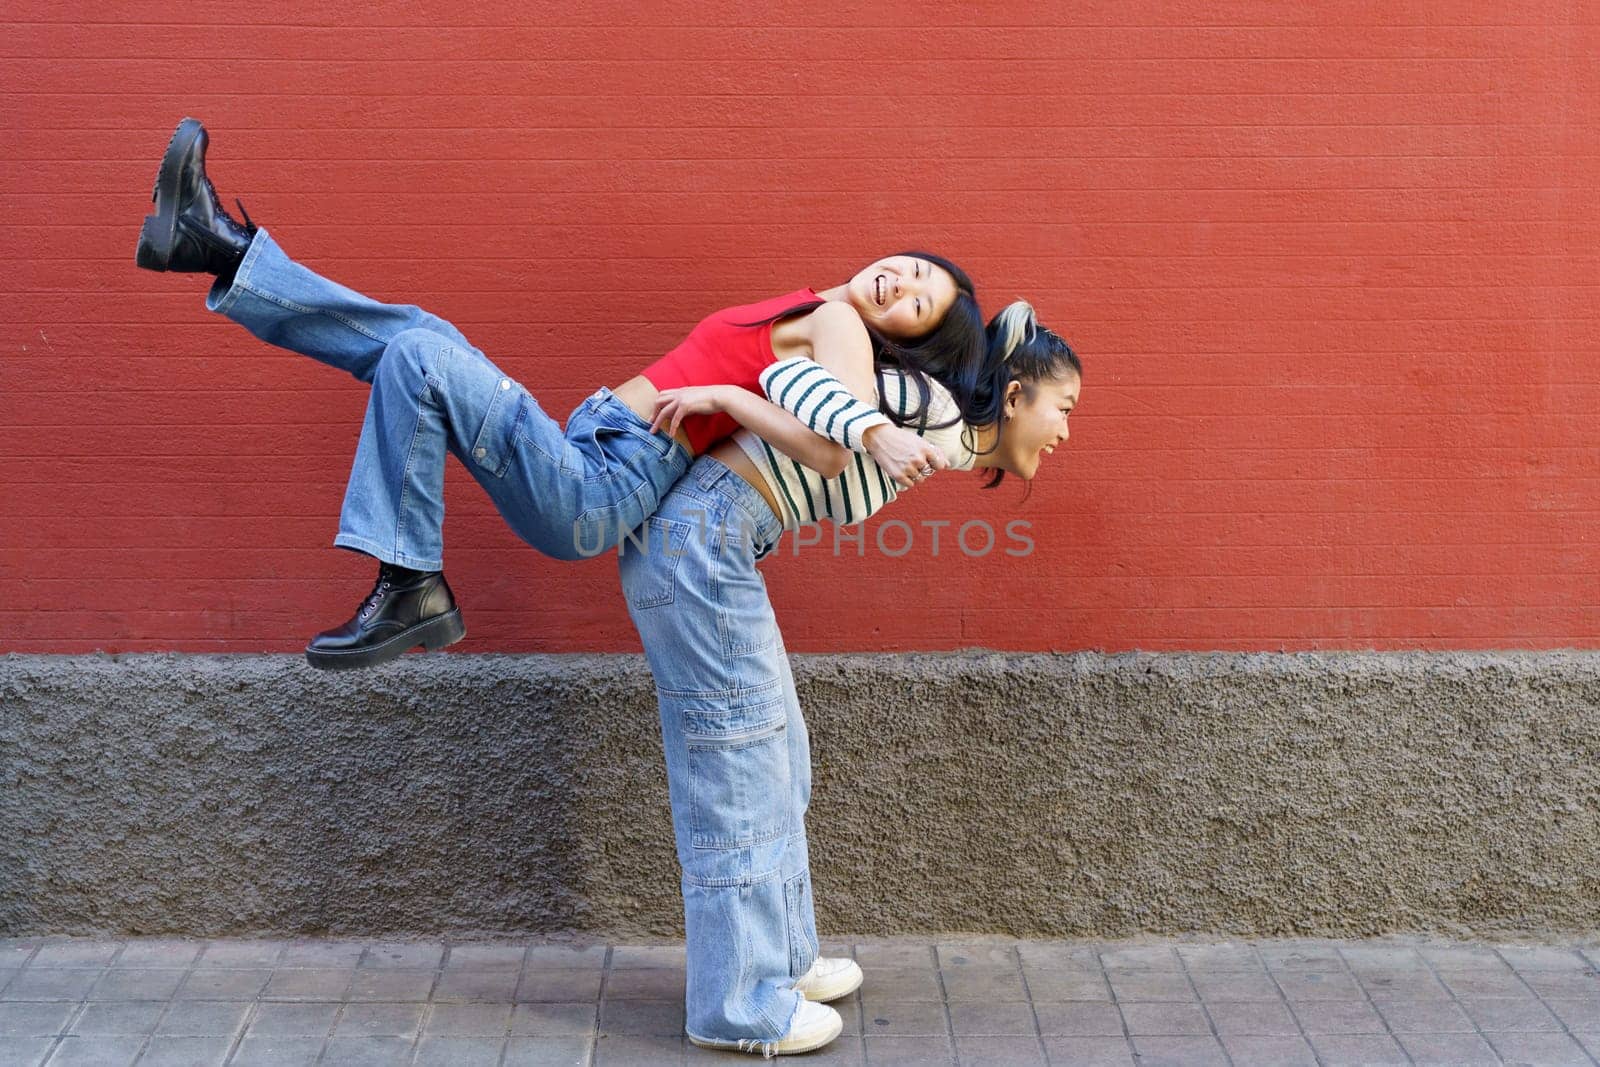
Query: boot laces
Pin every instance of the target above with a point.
(375, 598)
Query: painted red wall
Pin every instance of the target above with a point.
(1331, 266)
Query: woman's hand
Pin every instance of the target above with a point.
(903, 455)
(673, 404)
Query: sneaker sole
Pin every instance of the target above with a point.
(831, 993)
(158, 235)
(434, 634)
(780, 1048)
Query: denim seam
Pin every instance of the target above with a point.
(739, 881)
(377, 551)
(717, 694)
(405, 472)
(303, 310)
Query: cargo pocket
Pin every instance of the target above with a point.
(797, 906)
(492, 450)
(739, 776)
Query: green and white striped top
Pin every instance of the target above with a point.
(806, 496)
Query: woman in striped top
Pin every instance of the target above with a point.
(738, 759)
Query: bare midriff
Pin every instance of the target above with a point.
(640, 395)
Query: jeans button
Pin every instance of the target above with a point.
(505, 383)
(480, 452)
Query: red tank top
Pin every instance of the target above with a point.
(719, 351)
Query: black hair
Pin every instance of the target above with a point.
(1021, 350)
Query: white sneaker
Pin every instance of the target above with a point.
(813, 1026)
(829, 979)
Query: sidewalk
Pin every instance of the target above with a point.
(511, 1002)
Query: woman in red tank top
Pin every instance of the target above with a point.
(570, 493)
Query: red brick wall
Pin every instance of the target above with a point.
(1332, 268)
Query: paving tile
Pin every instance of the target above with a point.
(248, 954)
(547, 1052)
(957, 954)
(1150, 985)
(1223, 957)
(203, 1019)
(908, 1051)
(391, 985)
(901, 983)
(494, 956)
(476, 986)
(1141, 958)
(368, 1051)
(1057, 955)
(308, 984)
(323, 955)
(276, 1052)
(1581, 1015)
(1236, 986)
(460, 1051)
(1318, 985)
(413, 955)
(905, 1018)
(1252, 1019)
(76, 953)
(223, 984)
(1164, 1020)
(642, 1051)
(1485, 984)
(1000, 1051)
(1447, 1050)
(186, 1051)
(468, 1020)
(566, 957)
(1359, 1050)
(983, 983)
(118, 1017)
(554, 1020)
(1292, 956)
(997, 1018)
(1060, 985)
(1563, 983)
(1270, 1051)
(24, 1051)
(1547, 1050)
(1543, 958)
(671, 956)
(379, 1020)
(1089, 1051)
(293, 1020)
(163, 953)
(6, 974)
(895, 955)
(1462, 957)
(1385, 958)
(1078, 1019)
(1591, 1043)
(34, 1020)
(843, 1051)
(641, 1018)
(1505, 1015)
(105, 1051)
(562, 985)
(650, 983)
(1425, 1017)
(1180, 1052)
(1412, 986)
(52, 983)
(138, 983)
(1337, 1017)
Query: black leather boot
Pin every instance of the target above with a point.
(191, 230)
(405, 609)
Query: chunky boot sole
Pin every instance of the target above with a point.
(432, 634)
(158, 236)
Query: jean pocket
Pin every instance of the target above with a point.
(797, 908)
(649, 560)
(492, 449)
(739, 777)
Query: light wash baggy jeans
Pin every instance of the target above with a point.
(569, 494)
(738, 756)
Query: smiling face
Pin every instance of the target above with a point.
(1038, 422)
(902, 297)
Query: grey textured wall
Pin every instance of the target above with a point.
(1032, 795)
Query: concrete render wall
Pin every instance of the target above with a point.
(1033, 795)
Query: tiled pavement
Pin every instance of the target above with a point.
(67, 1002)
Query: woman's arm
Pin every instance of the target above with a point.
(762, 417)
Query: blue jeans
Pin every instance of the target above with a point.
(738, 757)
(569, 494)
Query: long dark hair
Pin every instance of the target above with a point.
(1021, 350)
(952, 353)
